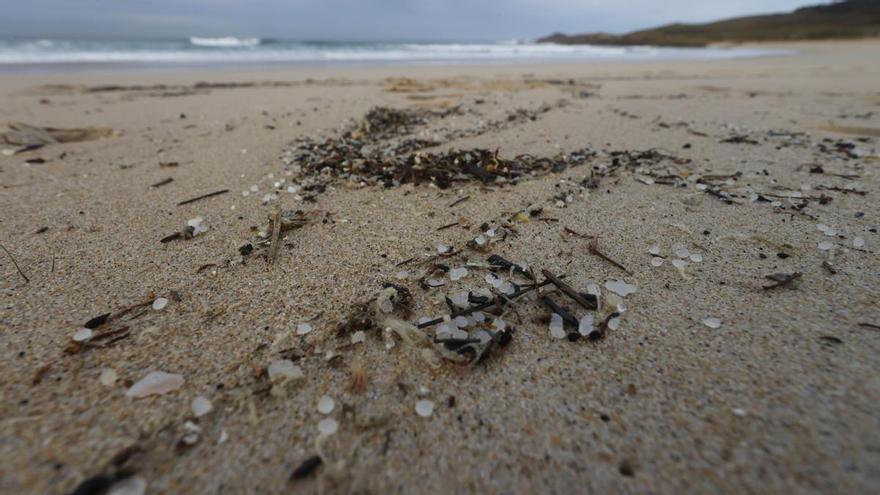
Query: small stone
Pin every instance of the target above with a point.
(739, 411)
(155, 383)
(358, 337)
(655, 250)
(402, 275)
(159, 303)
(657, 262)
(82, 335)
(696, 257)
(200, 406)
(328, 426)
(826, 245)
(303, 328)
(424, 408)
(108, 377)
(326, 405)
(457, 273)
(442, 248)
(712, 322)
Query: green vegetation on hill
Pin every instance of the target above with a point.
(839, 20)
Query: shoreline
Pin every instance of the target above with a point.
(695, 180)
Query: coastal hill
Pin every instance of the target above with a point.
(839, 20)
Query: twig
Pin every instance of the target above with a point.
(569, 291)
(453, 224)
(404, 262)
(488, 304)
(27, 280)
(565, 315)
(594, 249)
(578, 234)
(162, 182)
(203, 196)
(276, 234)
(459, 201)
(869, 325)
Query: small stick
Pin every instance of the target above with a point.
(163, 182)
(453, 224)
(459, 201)
(490, 303)
(578, 234)
(870, 325)
(203, 196)
(594, 249)
(27, 280)
(276, 234)
(566, 316)
(404, 262)
(569, 290)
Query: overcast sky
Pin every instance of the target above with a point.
(361, 19)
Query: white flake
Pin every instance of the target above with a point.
(585, 326)
(620, 287)
(200, 406)
(424, 408)
(155, 383)
(326, 404)
(657, 262)
(712, 322)
(108, 377)
(284, 369)
(556, 327)
(82, 335)
(328, 426)
(858, 242)
(303, 328)
(358, 337)
(826, 245)
(458, 273)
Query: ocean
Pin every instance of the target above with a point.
(28, 55)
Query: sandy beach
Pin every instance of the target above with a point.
(692, 181)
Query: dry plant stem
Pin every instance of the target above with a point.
(15, 263)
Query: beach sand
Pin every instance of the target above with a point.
(782, 397)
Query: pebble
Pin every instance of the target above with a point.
(358, 337)
(657, 262)
(424, 408)
(858, 242)
(303, 328)
(159, 303)
(826, 245)
(457, 273)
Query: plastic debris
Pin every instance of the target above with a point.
(424, 408)
(326, 404)
(200, 406)
(712, 322)
(108, 377)
(82, 335)
(284, 369)
(620, 287)
(556, 326)
(155, 383)
(303, 328)
(328, 426)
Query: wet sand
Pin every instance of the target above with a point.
(782, 397)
